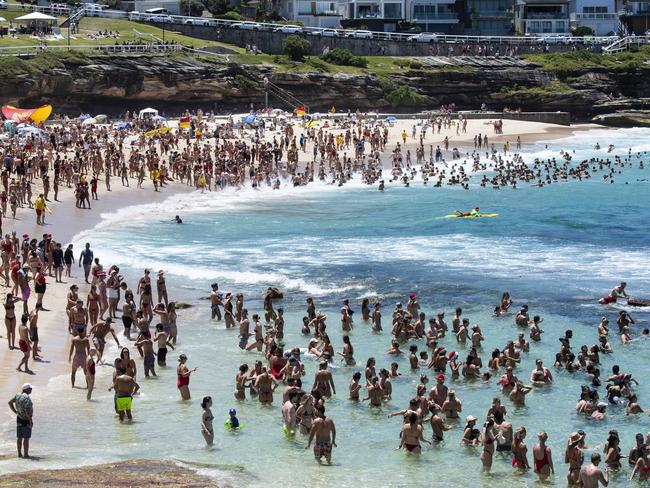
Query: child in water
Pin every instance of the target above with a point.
(233, 421)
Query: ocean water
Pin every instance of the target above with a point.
(557, 249)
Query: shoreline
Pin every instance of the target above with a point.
(54, 336)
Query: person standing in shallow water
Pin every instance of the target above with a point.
(183, 373)
(324, 430)
(542, 458)
(21, 405)
(207, 429)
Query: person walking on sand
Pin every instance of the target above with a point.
(40, 206)
(80, 346)
(21, 405)
(86, 259)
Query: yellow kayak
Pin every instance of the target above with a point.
(456, 216)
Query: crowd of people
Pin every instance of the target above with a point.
(212, 155)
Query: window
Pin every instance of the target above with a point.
(547, 26)
(392, 11)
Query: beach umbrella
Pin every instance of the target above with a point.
(249, 119)
(101, 118)
(89, 121)
(391, 118)
(2, 19)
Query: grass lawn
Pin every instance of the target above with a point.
(91, 25)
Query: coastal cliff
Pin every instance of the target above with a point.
(114, 83)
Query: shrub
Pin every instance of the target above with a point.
(230, 15)
(296, 47)
(246, 84)
(415, 65)
(343, 57)
(195, 8)
(404, 96)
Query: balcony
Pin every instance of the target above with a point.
(440, 16)
(603, 16)
(546, 16)
(491, 14)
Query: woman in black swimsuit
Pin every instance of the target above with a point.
(10, 319)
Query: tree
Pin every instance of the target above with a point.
(218, 7)
(296, 47)
(583, 30)
(193, 8)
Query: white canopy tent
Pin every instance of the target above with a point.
(147, 113)
(35, 16)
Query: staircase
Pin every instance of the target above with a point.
(74, 17)
(624, 44)
(286, 97)
(281, 94)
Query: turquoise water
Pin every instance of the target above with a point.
(556, 248)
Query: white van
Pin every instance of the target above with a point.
(157, 11)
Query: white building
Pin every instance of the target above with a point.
(542, 17)
(312, 13)
(433, 15)
(599, 15)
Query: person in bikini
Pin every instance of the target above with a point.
(10, 319)
(411, 435)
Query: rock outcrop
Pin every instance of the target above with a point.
(142, 473)
(114, 83)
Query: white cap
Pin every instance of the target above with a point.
(27, 386)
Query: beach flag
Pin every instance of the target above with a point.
(300, 111)
(184, 122)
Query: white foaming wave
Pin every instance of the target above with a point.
(635, 138)
(229, 199)
(497, 257)
(284, 280)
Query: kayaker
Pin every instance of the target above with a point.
(473, 213)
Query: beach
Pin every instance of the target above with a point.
(334, 243)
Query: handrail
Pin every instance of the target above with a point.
(114, 48)
(625, 43)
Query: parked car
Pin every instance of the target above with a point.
(93, 9)
(193, 21)
(289, 29)
(555, 40)
(360, 34)
(327, 33)
(161, 19)
(157, 11)
(424, 37)
(4, 5)
(135, 15)
(246, 26)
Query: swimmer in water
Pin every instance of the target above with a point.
(178, 220)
